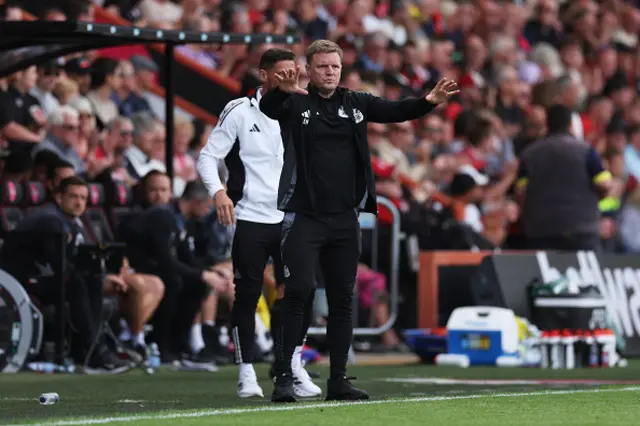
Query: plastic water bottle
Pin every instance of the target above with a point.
(544, 349)
(569, 353)
(556, 350)
(49, 398)
(154, 356)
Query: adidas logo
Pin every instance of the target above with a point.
(254, 128)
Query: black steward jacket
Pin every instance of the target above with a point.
(296, 114)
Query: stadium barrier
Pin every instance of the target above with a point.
(368, 223)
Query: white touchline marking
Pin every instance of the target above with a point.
(296, 407)
(18, 399)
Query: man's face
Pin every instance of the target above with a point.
(29, 77)
(269, 76)
(68, 131)
(73, 201)
(324, 71)
(47, 78)
(158, 190)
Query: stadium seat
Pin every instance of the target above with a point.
(10, 211)
(122, 204)
(35, 196)
(95, 218)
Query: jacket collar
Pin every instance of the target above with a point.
(255, 97)
(314, 91)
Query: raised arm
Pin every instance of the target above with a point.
(381, 110)
(218, 145)
(276, 103)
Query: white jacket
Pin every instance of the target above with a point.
(250, 145)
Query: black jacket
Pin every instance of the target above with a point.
(296, 113)
(157, 244)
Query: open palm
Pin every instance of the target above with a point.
(443, 91)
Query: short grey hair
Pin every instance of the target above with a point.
(58, 115)
(143, 122)
(118, 122)
(500, 44)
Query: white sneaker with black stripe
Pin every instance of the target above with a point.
(248, 386)
(303, 386)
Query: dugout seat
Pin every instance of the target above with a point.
(95, 218)
(122, 205)
(35, 195)
(11, 211)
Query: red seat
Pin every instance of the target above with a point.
(11, 212)
(94, 218)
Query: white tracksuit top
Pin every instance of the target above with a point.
(250, 145)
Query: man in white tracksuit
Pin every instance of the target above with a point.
(251, 146)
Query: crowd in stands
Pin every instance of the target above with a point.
(459, 164)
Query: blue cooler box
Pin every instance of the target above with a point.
(426, 343)
(482, 333)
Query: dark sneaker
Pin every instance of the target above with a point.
(341, 389)
(106, 362)
(211, 337)
(283, 389)
(201, 361)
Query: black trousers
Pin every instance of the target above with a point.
(253, 244)
(174, 316)
(334, 241)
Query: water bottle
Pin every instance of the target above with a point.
(49, 398)
(569, 356)
(556, 350)
(544, 350)
(154, 356)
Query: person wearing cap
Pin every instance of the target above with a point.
(250, 145)
(466, 189)
(48, 75)
(560, 183)
(144, 76)
(79, 70)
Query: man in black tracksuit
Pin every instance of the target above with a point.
(325, 182)
(157, 244)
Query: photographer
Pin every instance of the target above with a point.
(158, 244)
(31, 257)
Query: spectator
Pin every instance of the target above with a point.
(137, 88)
(87, 133)
(106, 78)
(65, 90)
(22, 122)
(560, 205)
(62, 137)
(48, 76)
(79, 70)
(138, 156)
(184, 166)
(160, 12)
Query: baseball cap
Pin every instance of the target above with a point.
(466, 179)
(140, 63)
(78, 66)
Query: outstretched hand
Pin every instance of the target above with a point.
(443, 91)
(288, 81)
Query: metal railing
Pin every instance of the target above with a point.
(368, 222)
